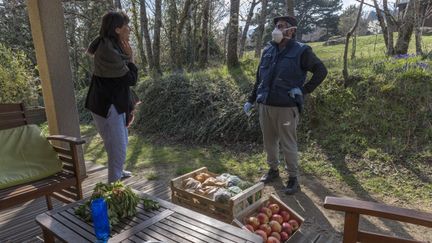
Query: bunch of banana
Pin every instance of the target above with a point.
(120, 199)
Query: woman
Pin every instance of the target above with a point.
(109, 97)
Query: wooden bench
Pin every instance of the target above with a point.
(354, 208)
(64, 185)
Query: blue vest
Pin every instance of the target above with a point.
(280, 71)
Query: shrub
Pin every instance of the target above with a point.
(201, 107)
(17, 82)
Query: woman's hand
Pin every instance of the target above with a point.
(127, 48)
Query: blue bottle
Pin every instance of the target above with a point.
(99, 211)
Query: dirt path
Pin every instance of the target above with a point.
(309, 204)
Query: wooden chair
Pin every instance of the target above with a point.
(64, 186)
(354, 208)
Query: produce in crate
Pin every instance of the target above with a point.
(222, 196)
(272, 223)
(121, 201)
(220, 188)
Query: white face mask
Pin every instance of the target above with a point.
(278, 36)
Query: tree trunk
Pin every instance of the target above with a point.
(406, 29)
(290, 7)
(260, 29)
(179, 43)
(156, 38)
(382, 23)
(172, 34)
(145, 33)
(204, 34)
(246, 27)
(348, 36)
(138, 36)
(117, 4)
(390, 28)
(419, 20)
(354, 46)
(232, 58)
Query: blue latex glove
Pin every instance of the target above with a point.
(247, 108)
(297, 95)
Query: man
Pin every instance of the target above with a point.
(278, 90)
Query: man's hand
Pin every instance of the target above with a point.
(247, 108)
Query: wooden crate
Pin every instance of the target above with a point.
(254, 210)
(223, 211)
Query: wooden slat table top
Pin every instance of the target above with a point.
(171, 223)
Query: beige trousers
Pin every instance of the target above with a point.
(279, 126)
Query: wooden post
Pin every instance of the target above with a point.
(49, 38)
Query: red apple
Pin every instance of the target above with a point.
(275, 226)
(263, 218)
(277, 217)
(284, 236)
(262, 234)
(276, 234)
(272, 239)
(294, 224)
(285, 215)
(286, 227)
(250, 228)
(253, 221)
(267, 211)
(274, 208)
(266, 228)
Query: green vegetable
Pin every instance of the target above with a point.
(121, 201)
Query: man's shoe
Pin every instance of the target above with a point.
(126, 174)
(270, 176)
(293, 186)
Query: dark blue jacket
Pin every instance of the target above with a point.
(279, 72)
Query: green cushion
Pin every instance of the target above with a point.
(25, 156)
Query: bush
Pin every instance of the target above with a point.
(201, 107)
(389, 109)
(17, 82)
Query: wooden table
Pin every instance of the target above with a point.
(171, 223)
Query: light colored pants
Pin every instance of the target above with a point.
(114, 134)
(279, 126)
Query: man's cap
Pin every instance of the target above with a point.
(290, 19)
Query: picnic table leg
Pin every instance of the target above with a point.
(48, 236)
(49, 202)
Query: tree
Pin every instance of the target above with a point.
(145, 32)
(232, 58)
(260, 29)
(348, 36)
(423, 10)
(406, 27)
(157, 36)
(205, 34)
(138, 35)
(246, 27)
(117, 4)
(382, 23)
(290, 7)
(328, 16)
(347, 20)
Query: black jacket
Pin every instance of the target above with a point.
(106, 91)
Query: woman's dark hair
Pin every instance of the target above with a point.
(111, 21)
